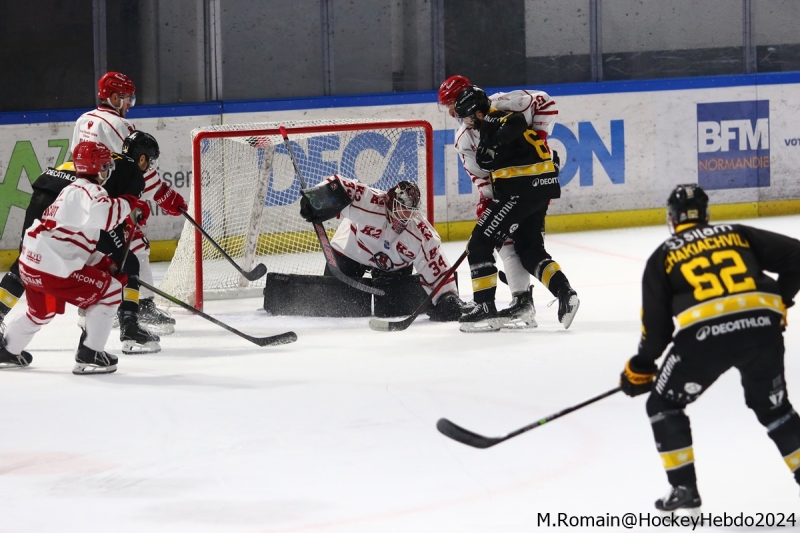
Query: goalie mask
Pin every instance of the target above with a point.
(402, 204)
(687, 204)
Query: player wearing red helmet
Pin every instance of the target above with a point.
(59, 264)
(540, 112)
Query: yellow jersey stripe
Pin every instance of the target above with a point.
(677, 458)
(730, 304)
(793, 460)
(527, 170)
(8, 298)
(486, 282)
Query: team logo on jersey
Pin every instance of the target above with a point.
(405, 251)
(513, 228)
(90, 124)
(383, 261)
(733, 144)
(425, 230)
(372, 231)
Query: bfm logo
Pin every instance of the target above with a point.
(733, 144)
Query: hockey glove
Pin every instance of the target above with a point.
(448, 309)
(483, 203)
(306, 211)
(170, 200)
(106, 264)
(485, 156)
(638, 376)
(140, 210)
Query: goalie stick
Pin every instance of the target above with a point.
(384, 325)
(282, 338)
(251, 275)
(324, 242)
(465, 436)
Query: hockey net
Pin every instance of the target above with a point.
(246, 196)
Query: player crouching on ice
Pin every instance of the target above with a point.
(381, 232)
(59, 263)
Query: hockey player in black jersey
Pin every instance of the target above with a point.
(711, 279)
(126, 178)
(525, 178)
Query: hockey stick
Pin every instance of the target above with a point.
(469, 438)
(251, 275)
(384, 325)
(324, 242)
(283, 338)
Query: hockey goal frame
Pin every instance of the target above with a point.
(197, 203)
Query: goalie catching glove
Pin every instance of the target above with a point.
(448, 309)
(324, 201)
(170, 200)
(638, 376)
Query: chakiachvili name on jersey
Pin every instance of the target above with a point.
(734, 325)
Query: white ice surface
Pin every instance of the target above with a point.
(336, 432)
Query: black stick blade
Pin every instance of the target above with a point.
(464, 436)
(283, 338)
(258, 272)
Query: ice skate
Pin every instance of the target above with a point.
(135, 339)
(682, 498)
(483, 318)
(154, 319)
(521, 314)
(88, 361)
(568, 304)
(9, 360)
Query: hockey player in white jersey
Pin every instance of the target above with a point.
(540, 112)
(107, 124)
(382, 232)
(59, 264)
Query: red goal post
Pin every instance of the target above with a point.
(246, 195)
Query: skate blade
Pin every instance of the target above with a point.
(158, 329)
(4, 366)
(519, 326)
(479, 327)
(695, 512)
(133, 347)
(86, 368)
(569, 317)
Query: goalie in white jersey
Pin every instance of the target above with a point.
(382, 232)
(107, 125)
(540, 112)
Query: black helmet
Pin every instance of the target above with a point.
(470, 100)
(138, 143)
(687, 203)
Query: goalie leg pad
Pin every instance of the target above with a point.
(403, 295)
(302, 295)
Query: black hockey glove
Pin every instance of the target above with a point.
(306, 211)
(447, 310)
(485, 156)
(637, 378)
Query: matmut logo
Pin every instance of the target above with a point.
(733, 144)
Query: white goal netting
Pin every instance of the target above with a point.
(249, 195)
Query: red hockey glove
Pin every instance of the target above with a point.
(170, 200)
(638, 376)
(543, 136)
(483, 203)
(140, 211)
(106, 265)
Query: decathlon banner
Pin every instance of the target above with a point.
(623, 145)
